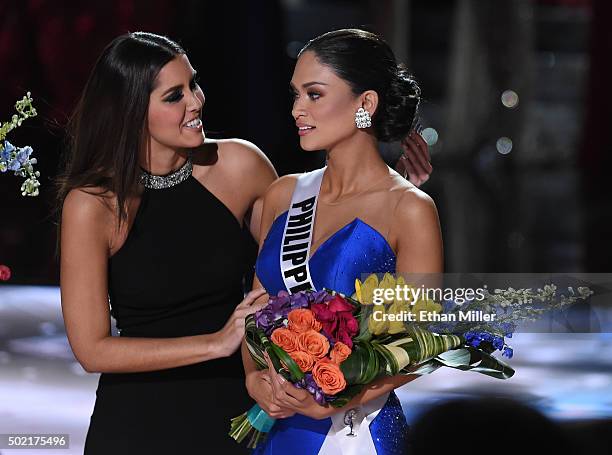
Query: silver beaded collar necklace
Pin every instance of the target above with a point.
(158, 182)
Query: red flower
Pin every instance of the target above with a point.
(347, 328)
(337, 319)
(350, 322)
(322, 312)
(338, 304)
(5, 273)
(327, 318)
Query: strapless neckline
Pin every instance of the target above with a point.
(345, 227)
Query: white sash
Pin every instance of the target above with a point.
(297, 235)
(338, 443)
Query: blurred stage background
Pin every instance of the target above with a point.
(516, 108)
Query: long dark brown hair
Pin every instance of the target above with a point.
(106, 131)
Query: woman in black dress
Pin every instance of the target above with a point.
(151, 223)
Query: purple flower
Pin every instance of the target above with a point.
(448, 306)
(278, 308)
(498, 343)
(311, 386)
(262, 319)
(475, 342)
(8, 148)
(14, 165)
(320, 297)
(475, 339)
(24, 154)
(299, 300)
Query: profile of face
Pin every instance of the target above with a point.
(175, 107)
(324, 105)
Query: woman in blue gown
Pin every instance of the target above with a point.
(349, 94)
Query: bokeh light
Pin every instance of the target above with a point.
(430, 135)
(510, 99)
(504, 145)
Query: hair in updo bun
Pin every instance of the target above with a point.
(366, 62)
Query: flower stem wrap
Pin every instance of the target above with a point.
(254, 423)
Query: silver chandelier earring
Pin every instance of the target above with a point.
(362, 118)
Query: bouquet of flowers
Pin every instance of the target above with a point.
(17, 159)
(333, 346)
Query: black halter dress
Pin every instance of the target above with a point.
(179, 273)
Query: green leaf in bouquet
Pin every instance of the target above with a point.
(364, 325)
(295, 374)
(283, 364)
(362, 366)
(422, 369)
(390, 361)
(472, 359)
(401, 353)
(479, 361)
(254, 343)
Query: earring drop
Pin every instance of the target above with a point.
(362, 118)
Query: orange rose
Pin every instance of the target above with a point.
(301, 320)
(285, 339)
(313, 343)
(339, 352)
(304, 360)
(328, 376)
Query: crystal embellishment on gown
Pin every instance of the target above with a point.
(159, 182)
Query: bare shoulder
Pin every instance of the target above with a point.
(278, 195)
(87, 204)
(244, 156)
(88, 213)
(412, 203)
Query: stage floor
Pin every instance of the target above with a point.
(44, 390)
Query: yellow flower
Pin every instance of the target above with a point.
(364, 292)
(399, 308)
(388, 282)
(380, 324)
(426, 305)
(399, 305)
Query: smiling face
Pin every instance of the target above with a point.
(324, 105)
(175, 107)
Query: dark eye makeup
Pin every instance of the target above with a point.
(313, 95)
(177, 95)
(174, 97)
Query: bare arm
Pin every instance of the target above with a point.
(86, 227)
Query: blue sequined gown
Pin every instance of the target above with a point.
(355, 249)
